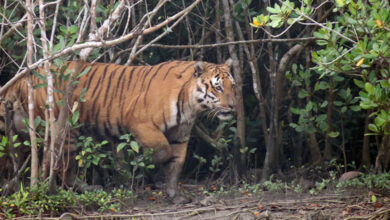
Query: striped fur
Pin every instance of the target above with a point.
(157, 104)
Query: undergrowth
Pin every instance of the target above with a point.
(38, 201)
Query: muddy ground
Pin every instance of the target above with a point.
(346, 204)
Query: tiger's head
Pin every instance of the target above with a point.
(215, 89)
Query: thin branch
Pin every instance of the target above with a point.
(233, 43)
(181, 47)
(149, 16)
(168, 30)
(98, 34)
(54, 24)
(339, 57)
(319, 24)
(14, 27)
(100, 44)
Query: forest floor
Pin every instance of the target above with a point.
(225, 204)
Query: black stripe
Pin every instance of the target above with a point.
(120, 128)
(142, 86)
(178, 114)
(151, 79)
(108, 86)
(145, 75)
(94, 111)
(97, 85)
(122, 92)
(119, 80)
(177, 142)
(185, 69)
(178, 117)
(169, 69)
(165, 122)
(102, 76)
(155, 124)
(207, 87)
(143, 69)
(91, 77)
(131, 76)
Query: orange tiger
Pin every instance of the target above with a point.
(157, 104)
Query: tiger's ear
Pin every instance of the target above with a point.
(199, 68)
(229, 62)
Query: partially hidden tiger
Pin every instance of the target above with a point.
(157, 104)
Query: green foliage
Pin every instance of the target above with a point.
(369, 181)
(37, 201)
(354, 45)
(368, 55)
(4, 144)
(90, 152)
(140, 162)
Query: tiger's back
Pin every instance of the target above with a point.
(116, 94)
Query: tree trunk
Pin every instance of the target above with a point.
(33, 138)
(312, 139)
(366, 160)
(238, 77)
(270, 155)
(329, 111)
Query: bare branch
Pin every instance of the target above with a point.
(149, 16)
(98, 34)
(319, 24)
(14, 27)
(54, 24)
(183, 47)
(108, 43)
(233, 43)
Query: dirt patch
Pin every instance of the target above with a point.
(351, 204)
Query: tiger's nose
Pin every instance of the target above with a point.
(231, 102)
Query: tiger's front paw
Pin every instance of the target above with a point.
(180, 199)
(175, 196)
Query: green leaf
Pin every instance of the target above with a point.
(41, 85)
(373, 199)
(355, 108)
(302, 94)
(82, 99)
(73, 29)
(14, 138)
(95, 161)
(333, 134)
(134, 145)
(75, 117)
(324, 104)
(373, 128)
(323, 85)
(296, 111)
(274, 10)
(84, 72)
(120, 147)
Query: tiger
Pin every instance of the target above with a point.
(157, 104)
